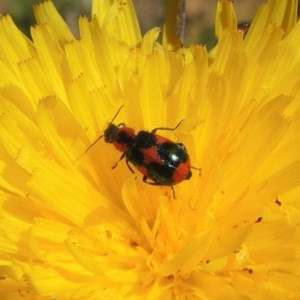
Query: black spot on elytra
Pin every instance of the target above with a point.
(172, 154)
(135, 156)
(144, 140)
(162, 174)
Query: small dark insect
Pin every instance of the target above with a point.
(244, 26)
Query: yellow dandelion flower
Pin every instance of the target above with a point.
(73, 228)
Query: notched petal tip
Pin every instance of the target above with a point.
(225, 17)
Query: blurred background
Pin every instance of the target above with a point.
(199, 22)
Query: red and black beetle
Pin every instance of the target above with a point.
(161, 161)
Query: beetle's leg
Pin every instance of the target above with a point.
(127, 163)
(167, 128)
(145, 179)
(129, 167)
(122, 156)
(198, 169)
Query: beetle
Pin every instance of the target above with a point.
(160, 160)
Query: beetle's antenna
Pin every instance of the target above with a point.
(116, 113)
(101, 136)
(92, 144)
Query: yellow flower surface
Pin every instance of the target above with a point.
(71, 227)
